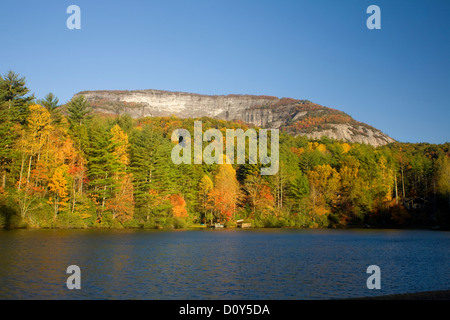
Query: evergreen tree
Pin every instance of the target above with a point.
(51, 103)
(78, 109)
(299, 187)
(13, 109)
(6, 146)
(101, 164)
(14, 97)
(141, 163)
(150, 164)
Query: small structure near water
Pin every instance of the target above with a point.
(242, 224)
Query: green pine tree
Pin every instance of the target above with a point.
(14, 98)
(51, 103)
(78, 109)
(101, 163)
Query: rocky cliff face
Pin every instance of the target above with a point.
(297, 117)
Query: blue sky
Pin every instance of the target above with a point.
(396, 79)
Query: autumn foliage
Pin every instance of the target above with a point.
(178, 206)
(67, 166)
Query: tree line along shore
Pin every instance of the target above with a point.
(65, 166)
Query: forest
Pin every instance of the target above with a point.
(65, 166)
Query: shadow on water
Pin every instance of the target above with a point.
(8, 217)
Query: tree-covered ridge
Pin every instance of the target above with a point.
(307, 117)
(68, 167)
(316, 117)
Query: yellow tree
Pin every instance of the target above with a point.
(385, 181)
(21, 145)
(76, 168)
(349, 174)
(205, 186)
(38, 130)
(58, 188)
(312, 146)
(59, 150)
(120, 141)
(345, 147)
(30, 140)
(259, 195)
(33, 137)
(324, 186)
(352, 188)
(443, 174)
(226, 192)
(121, 203)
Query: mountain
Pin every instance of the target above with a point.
(296, 117)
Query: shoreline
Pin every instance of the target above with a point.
(423, 295)
(350, 227)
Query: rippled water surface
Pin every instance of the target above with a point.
(276, 264)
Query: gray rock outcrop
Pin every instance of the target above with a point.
(262, 111)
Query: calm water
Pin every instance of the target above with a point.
(221, 264)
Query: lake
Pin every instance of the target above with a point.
(231, 264)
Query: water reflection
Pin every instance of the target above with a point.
(220, 264)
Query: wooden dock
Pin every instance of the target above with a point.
(242, 224)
